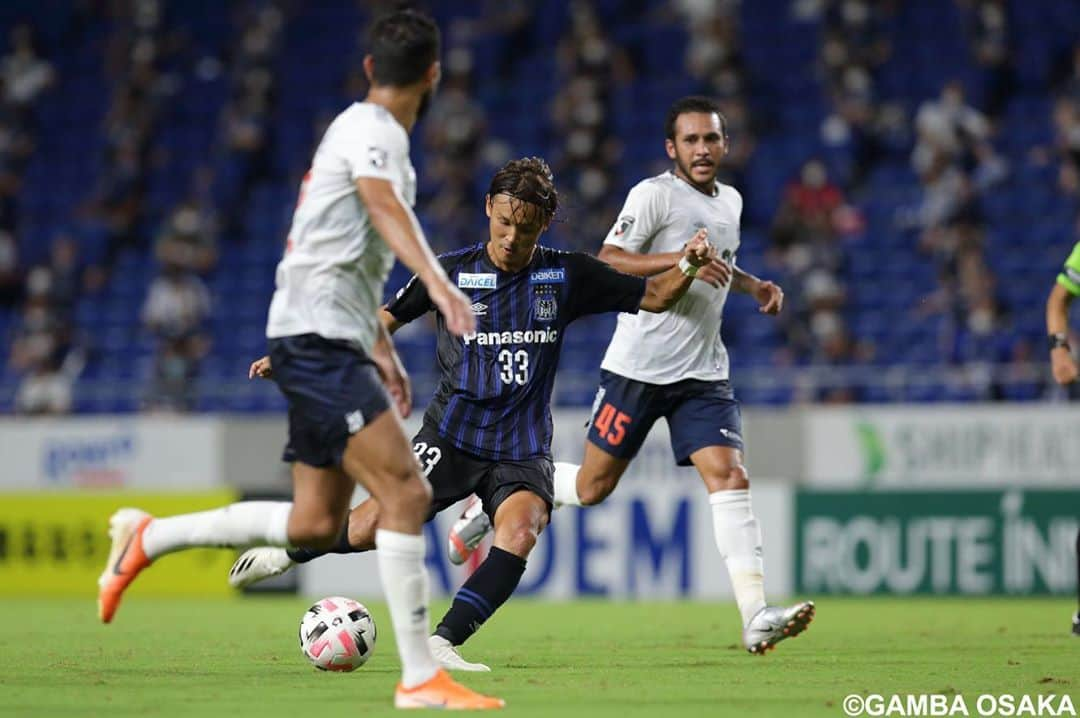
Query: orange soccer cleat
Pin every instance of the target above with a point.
(126, 559)
(441, 691)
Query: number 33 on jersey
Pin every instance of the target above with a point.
(494, 396)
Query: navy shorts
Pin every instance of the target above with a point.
(455, 474)
(699, 414)
(333, 390)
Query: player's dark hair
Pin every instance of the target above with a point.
(692, 103)
(529, 180)
(403, 44)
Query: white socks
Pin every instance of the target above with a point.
(738, 538)
(405, 583)
(248, 523)
(566, 484)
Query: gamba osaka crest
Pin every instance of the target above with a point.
(545, 308)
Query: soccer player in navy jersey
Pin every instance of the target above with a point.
(488, 429)
(675, 366)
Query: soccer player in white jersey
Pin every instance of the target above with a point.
(674, 365)
(328, 350)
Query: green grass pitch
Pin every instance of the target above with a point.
(240, 658)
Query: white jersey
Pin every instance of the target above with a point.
(662, 214)
(330, 281)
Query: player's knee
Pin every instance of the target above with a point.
(521, 538)
(410, 495)
(316, 531)
(595, 490)
(736, 477)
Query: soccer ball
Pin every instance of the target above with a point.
(337, 634)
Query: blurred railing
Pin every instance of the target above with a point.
(776, 385)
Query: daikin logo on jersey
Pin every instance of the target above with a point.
(548, 276)
(529, 336)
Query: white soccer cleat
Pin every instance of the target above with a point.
(773, 624)
(256, 564)
(467, 532)
(448, 656)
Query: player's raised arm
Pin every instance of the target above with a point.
(663, 290)
(398, 227)
(641, 265)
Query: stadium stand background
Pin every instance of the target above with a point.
(915, 199)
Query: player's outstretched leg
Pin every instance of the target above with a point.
(519, 519)
(262, 562)
(138, 539)
(379, 457)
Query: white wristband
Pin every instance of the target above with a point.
(686, 268)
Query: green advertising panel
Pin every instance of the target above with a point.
(936, 542)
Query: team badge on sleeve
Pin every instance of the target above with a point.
(623, 225)
(377, 157)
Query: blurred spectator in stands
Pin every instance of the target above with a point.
(177, 305)
(988, 40)
(187, 242)
(26, 75)
(855, 35)
(454, 138)
(1067, 78)
(65, 273)
(854, 45)
(591, 66)
(16, 146)
(42, 351)
(45, 391)
(947, 194)
(117, 203)
(714, 53)
(10, 276)
(809, 209)
(948, 127)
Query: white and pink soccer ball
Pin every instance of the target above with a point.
(337, 634)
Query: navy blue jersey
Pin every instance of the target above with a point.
(494, 395)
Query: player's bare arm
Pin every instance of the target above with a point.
(392, 371)
(663, 290)
(398, 227)
(716, 273)
(640, 265)
(1062, 362)
(769, 295)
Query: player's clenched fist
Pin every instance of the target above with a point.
(698, 251)
(260, 368)
(1063, 365)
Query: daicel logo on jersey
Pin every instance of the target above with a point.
(466, 280)
(548, 276)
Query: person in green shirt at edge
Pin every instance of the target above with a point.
(1062, 360)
